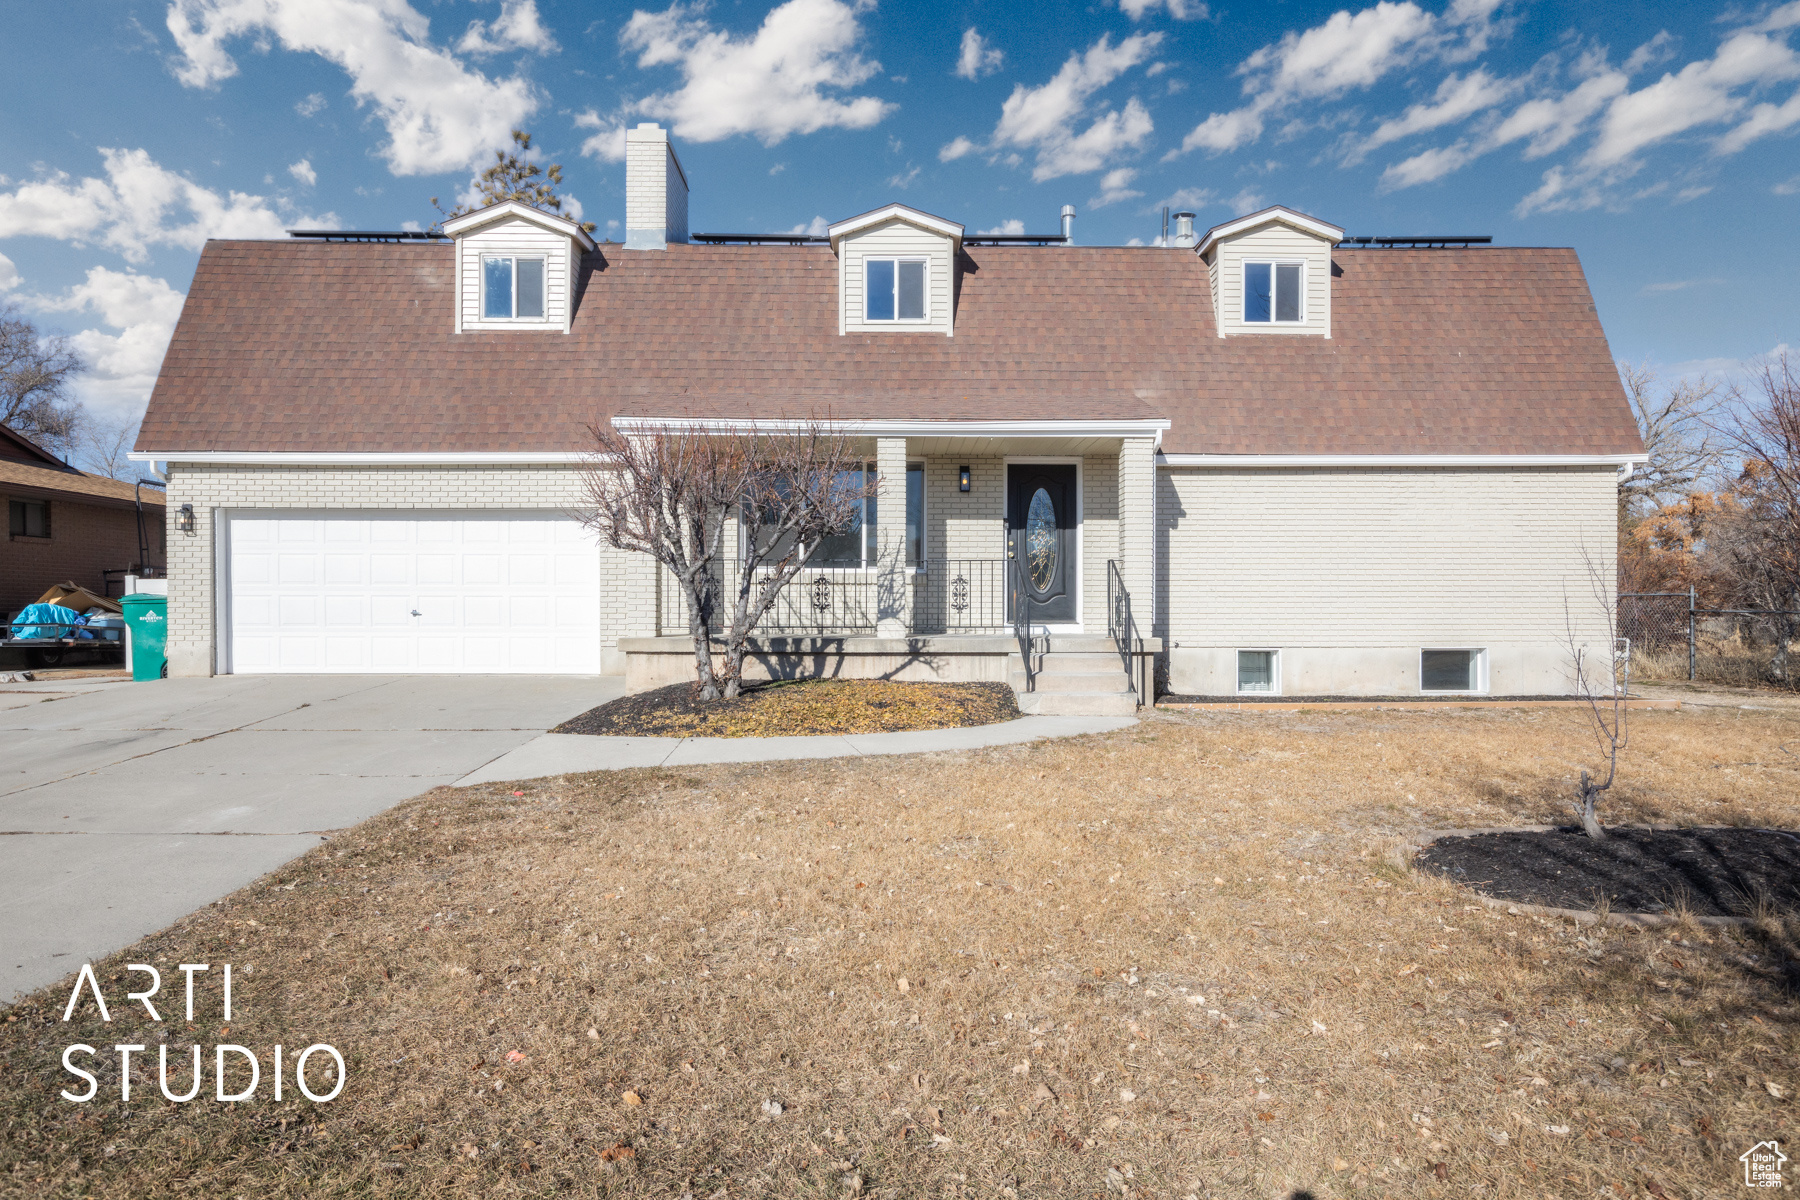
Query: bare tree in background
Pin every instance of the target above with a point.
(35, 372)
(101, 446)
(1601, 682)
(1761, 426)
(1682, 447)
(668, 491)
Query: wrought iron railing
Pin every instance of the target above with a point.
(1121, 626)
(817, 601)
(961, 595)
(1021, 620)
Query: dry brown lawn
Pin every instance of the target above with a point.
(1177, 960)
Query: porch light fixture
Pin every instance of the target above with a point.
(962, 479)
(184, 519)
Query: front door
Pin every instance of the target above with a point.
(1040, 527)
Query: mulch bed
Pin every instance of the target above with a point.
(800, 707)
(1717, 872)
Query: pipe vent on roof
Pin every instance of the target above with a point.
(1184, 229)
(1068, 224)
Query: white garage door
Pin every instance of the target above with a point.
(515, 593)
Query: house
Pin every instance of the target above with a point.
(1270, 459)
(64, 524)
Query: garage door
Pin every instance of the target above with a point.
(389, 593)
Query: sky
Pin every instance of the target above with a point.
(1660, 140)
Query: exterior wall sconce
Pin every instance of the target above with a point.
(184, 519)
(962, 479)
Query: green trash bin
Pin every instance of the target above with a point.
(147, 625)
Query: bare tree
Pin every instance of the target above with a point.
(670, 491)
(1602, 688)
(1762, 426)
(806, 485)
(35, 372)
(102, 446)
(1681, 446)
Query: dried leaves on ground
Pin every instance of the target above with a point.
(1185, 959)
(800, 707)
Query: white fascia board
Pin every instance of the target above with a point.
(1278, 213)
(373, 458)
(895, 212)
(914, 428)
(1401, 460)
(457, 226)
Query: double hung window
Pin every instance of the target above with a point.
(512, 288)
(894, 289)
(1272, 293)
(856, 548)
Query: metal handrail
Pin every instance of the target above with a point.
(1121, 626)
(1021, 621)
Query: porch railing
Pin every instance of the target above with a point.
(949, 596)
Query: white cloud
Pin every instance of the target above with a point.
(778, 168)
(1043, 118)
(977, 57)
(138, 205)
(1677, 285)
(1787, 187)
(770, 84)
(1763, 120)
(310, 106)
(1457, 98)
(123, 365)
(819, 227)
(956, 149)
(1247, 201)
(303, 171)
(608, 144)
(440, 115)
(9, 274)
(516, 28)
(1009, 228)
(1348, 51)
(1181, 10)
(1701, 93)
(1115, 186)
(1187, 199)
(904, 179)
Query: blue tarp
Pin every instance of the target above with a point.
(45, 621)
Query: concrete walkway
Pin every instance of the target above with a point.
(124, 806)
(574, 753)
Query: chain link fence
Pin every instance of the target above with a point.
(1673, 638)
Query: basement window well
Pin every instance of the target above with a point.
(1258, 671)
(1453, 670)
(512, 289)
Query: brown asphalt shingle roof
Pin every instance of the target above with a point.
(29, 479)
(309, 346)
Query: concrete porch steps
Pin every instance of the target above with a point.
(1076, 683)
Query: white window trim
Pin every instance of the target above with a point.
(869, 564)
(1244, 287)
(481, 267)
(1481, 672)
(896, 319)
(1274, 670)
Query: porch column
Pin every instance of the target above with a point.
(893, 590)
(1137, 534)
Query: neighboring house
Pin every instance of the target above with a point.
(1296, 466)
(64, 524)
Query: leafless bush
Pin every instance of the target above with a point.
(1602, 691)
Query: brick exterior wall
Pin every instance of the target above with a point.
(628, 581)
(1350, 572)
(85, 541)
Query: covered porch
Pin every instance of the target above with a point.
(1018, 556)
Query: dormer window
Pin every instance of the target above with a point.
(895, 289)
(512, 288)
(1273, 291)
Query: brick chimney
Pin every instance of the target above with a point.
(656, 190)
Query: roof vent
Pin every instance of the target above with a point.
(1068, 222)
(1184, 229)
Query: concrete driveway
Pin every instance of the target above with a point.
(124, 806)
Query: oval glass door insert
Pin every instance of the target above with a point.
(1041, 540)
